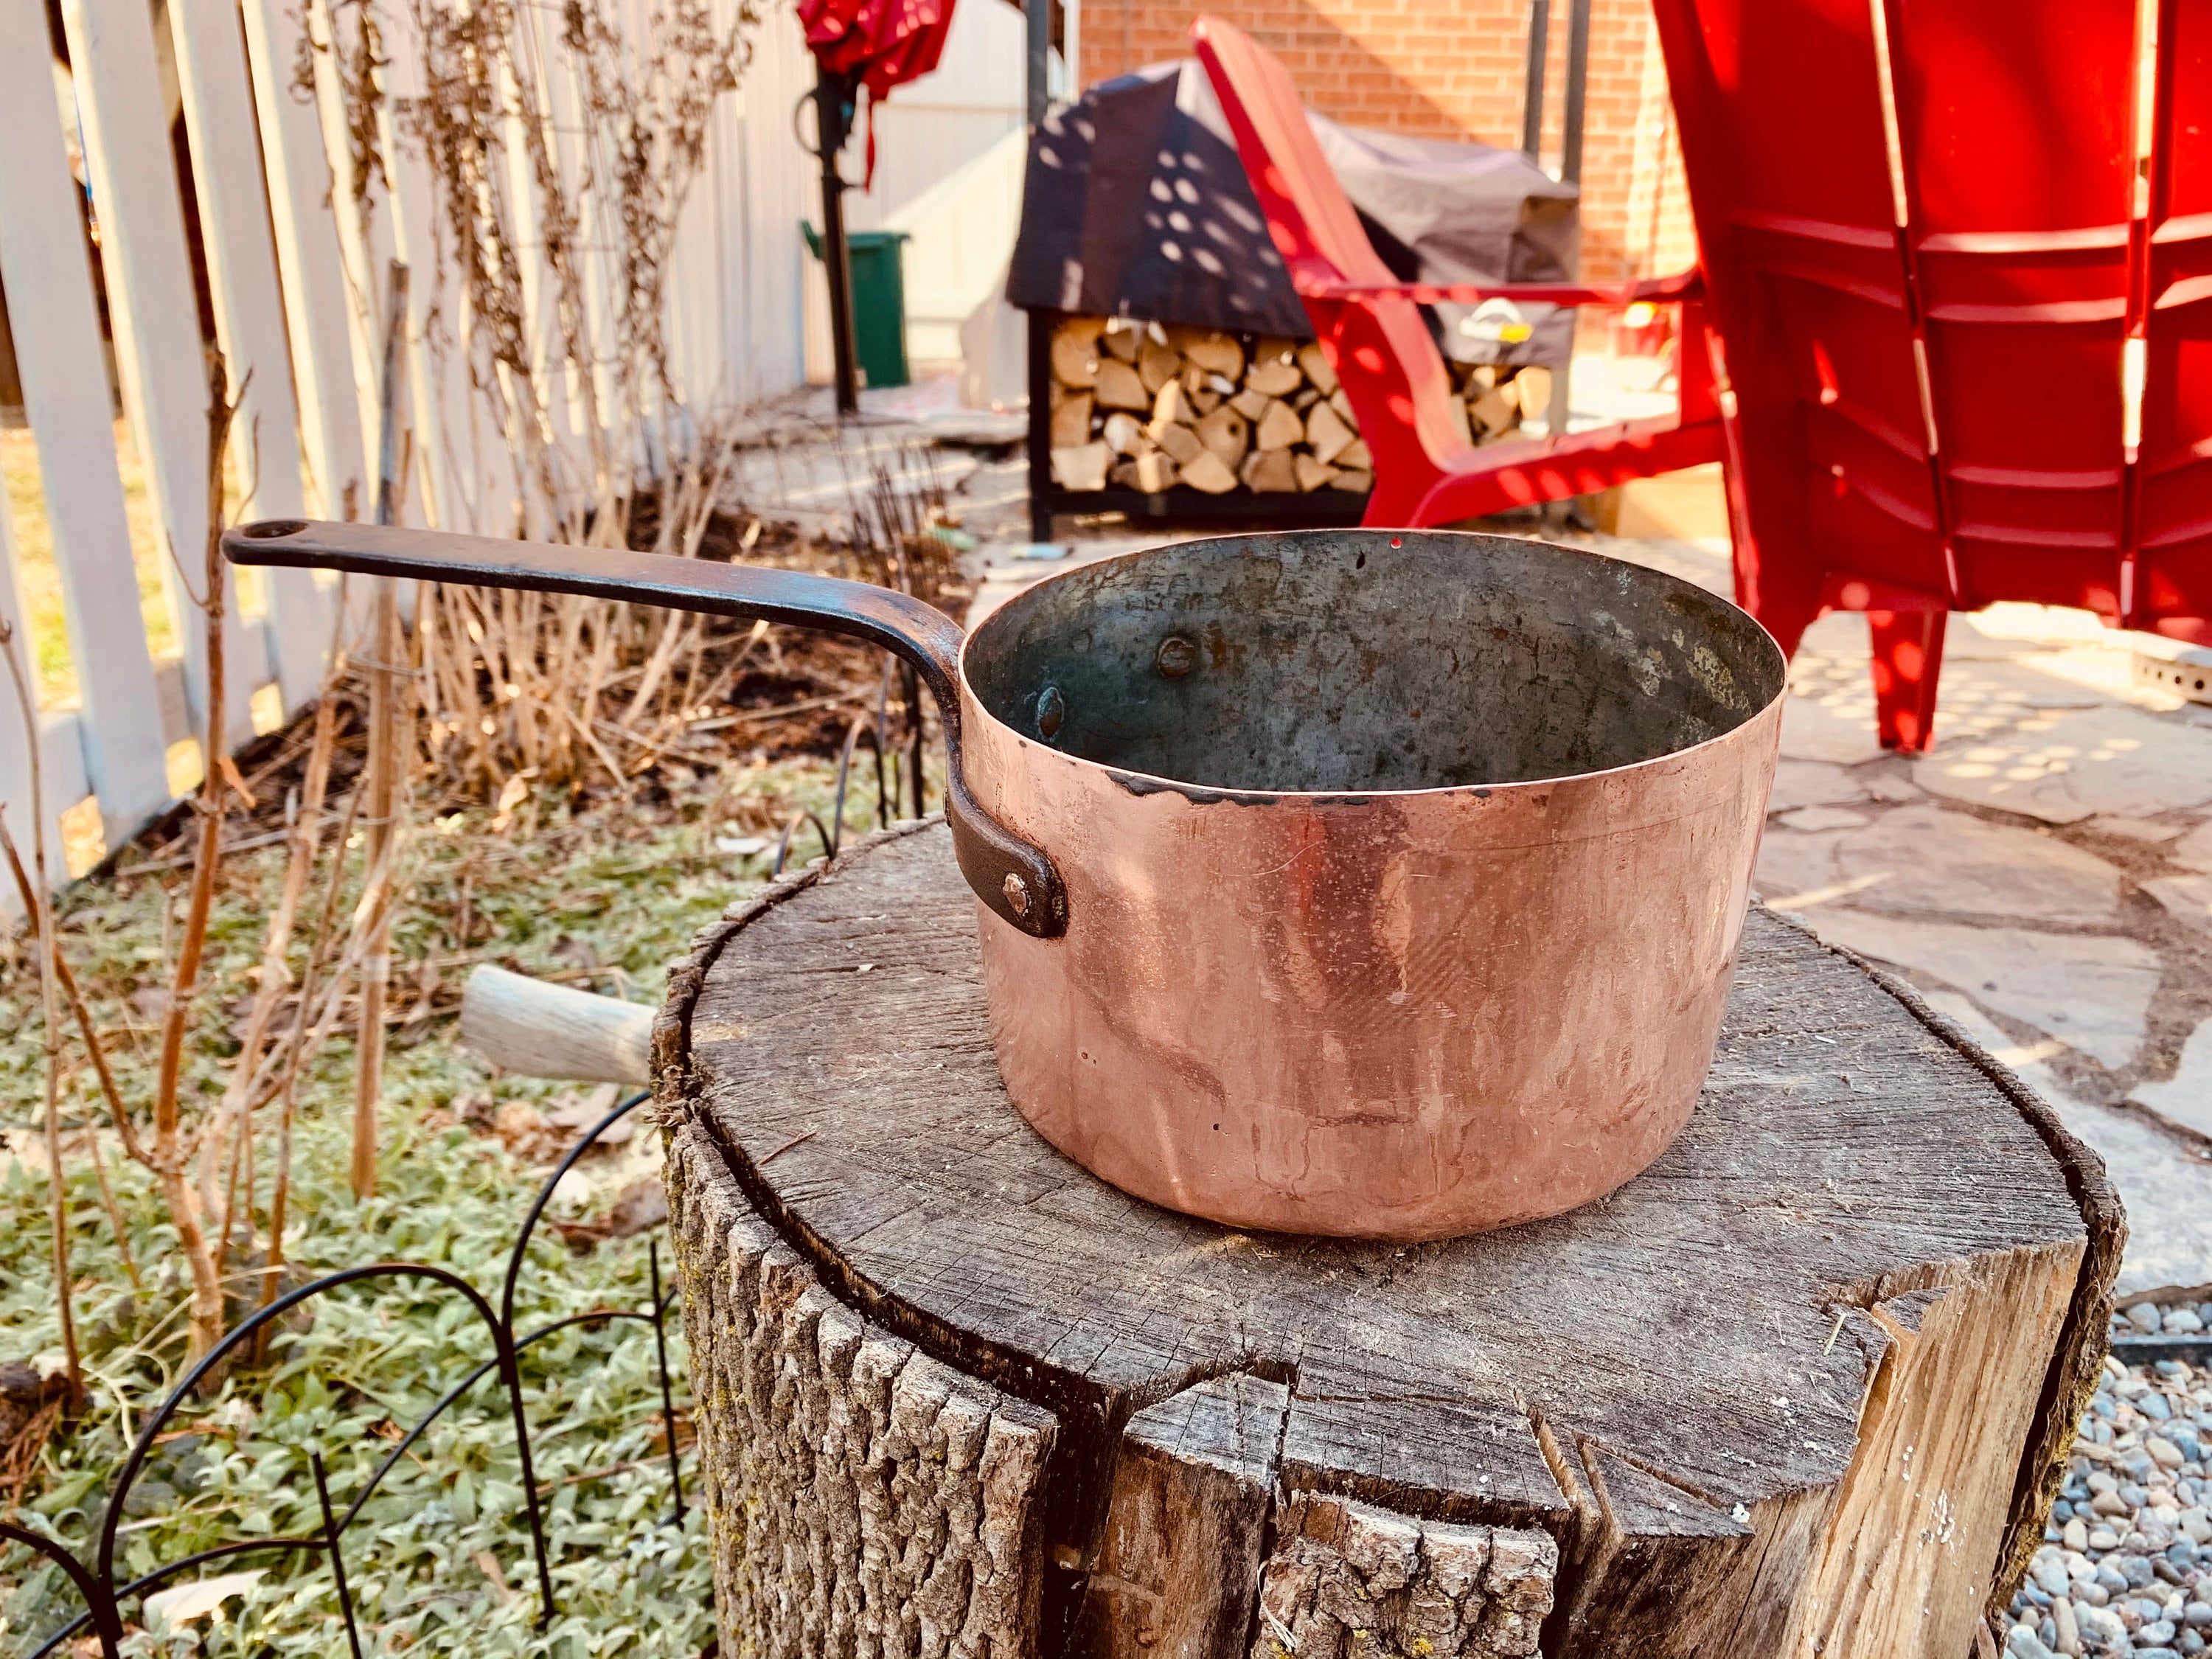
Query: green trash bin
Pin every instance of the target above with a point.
(878, 301)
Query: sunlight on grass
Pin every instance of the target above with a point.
(185, 767)
(41, 578)
(84, 841)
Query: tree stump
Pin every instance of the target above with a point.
(1806, 1386)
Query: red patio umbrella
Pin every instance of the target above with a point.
(873, 44)
(876, 44)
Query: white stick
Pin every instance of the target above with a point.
(538, 1029)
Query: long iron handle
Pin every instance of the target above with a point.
(1014, 878)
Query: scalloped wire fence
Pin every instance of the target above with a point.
(96, 1581)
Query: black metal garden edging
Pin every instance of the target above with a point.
(104, 1598)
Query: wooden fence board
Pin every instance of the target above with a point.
(307, 265)
(249, 314)
(65, 377)
(154, 318)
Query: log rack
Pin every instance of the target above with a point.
(1806, 1386)
(1319, 509)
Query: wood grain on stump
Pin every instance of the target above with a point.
(1805, 1387)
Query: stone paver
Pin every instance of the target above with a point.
(2194, 850)
(2091, 992)
(1823, 817)
(1834, 726)
(1813, 783)
(2186, 1096)
(1924, 862)
(2168, 1192)
(2064, 767)
(2185, 898)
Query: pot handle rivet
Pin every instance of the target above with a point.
(1176, 657)
(1017, 894)
(1052, 709)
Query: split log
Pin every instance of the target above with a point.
(1249, 403)
(1804, 1388)
(1084, 467)
(1071, 419)
(1495, 410)
(1122, 432)
(1207, 471)
(1313, 474)
(1171, 407)
(1120, 387)
(1269, 472)
(1327, 434)
(1227, 433)
(1279, 427)
(1155, 472)
(1357, 480)
(1075, 351)
(1354, 454)
(1211, 351)
(1121, 339)
(1532, 389)
(1180, 441)
(1158, 364)
(1275, 373)
(1314, 361)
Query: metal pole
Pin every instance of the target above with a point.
(1570, 137)
(1532, 88)
(1040, 59)
(833, 115)
(1040, 325)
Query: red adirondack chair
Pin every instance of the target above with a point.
(1959, 280)
(1370, 326)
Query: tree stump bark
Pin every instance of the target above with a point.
(1805, 1387)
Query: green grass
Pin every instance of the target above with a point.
(620, 891)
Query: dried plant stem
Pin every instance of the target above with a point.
(300, 859)
(114, 1210)
(171, 1153)
(295, 1052)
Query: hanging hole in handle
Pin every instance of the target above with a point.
(269, 530)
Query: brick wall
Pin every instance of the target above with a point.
(1438, 70)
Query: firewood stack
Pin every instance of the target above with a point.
(1139, 406)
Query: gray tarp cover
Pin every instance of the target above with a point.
(1136, 205)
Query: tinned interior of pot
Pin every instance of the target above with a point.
(1362, 659)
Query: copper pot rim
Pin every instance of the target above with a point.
(1143, 783)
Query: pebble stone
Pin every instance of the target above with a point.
(2126, 1568)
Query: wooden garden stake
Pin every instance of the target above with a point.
(383, 763)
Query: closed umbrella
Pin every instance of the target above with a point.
(874, 45)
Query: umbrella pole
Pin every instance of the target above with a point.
(833, 95)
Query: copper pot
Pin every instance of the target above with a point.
(1370, 883)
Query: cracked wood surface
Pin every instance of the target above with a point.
(1782, 1394)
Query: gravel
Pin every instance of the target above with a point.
(2126, 1565)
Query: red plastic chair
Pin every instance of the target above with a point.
(1370, 327)
(1958, 275)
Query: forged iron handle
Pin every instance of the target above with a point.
(1014, 878)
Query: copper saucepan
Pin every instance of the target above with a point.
(1370, 883)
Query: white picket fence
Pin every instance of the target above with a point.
(297, 285)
